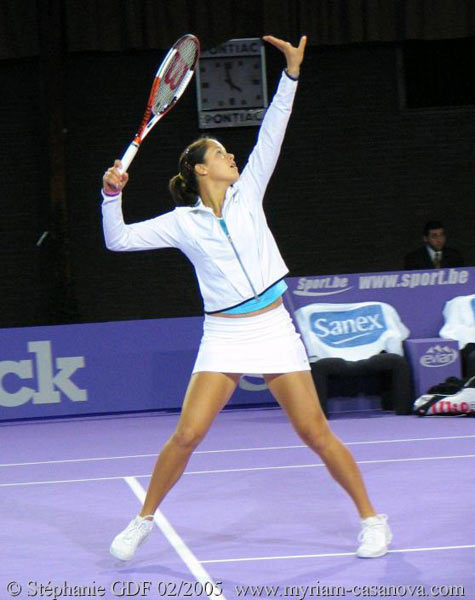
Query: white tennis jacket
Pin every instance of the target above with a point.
(230, 270)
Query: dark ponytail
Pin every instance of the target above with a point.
(184, 186)
(181, 191)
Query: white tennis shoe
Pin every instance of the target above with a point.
(125, 544)
(375, 537)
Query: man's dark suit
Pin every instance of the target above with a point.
(420, 259)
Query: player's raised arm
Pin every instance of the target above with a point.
(264, 156)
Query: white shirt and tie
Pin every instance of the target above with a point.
(435, 256)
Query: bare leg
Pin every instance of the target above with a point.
(206, 395)
(296, 394)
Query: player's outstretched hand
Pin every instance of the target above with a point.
(293, 55)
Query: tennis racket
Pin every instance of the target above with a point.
(171, 79)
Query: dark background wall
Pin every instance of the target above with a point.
(358, 176)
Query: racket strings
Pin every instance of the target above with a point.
(175, 79)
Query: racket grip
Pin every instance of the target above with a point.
(129, 155)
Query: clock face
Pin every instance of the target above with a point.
(231, 82)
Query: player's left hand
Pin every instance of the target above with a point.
(293, 55)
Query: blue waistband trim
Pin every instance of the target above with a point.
(269, 296)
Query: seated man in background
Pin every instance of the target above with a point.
(434, 254)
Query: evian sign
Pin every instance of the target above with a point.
(51, 377)
(439, 356)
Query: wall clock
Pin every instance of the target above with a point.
(231, 84)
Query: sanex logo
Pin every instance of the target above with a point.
(46, 379)
(350, 328)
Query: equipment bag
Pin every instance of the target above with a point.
(450, 398)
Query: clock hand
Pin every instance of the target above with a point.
(232, 85)
(228, 78)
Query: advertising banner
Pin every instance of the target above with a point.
(146, 365)
(103, 368)
(418, 296)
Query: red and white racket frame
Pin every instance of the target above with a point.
(174, 79)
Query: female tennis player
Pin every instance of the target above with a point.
(220, 226)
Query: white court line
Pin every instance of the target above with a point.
(329, 554)
(228, 450)
(242, 470)
(187, 556)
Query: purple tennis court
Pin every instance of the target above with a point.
(255, 508)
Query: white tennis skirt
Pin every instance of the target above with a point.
(265, 343)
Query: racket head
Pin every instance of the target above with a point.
(175, 73)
